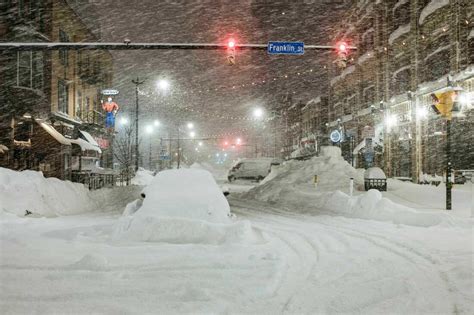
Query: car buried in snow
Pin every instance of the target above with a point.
(256, 168)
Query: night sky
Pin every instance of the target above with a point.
(204, 87)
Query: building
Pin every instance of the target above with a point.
(407, 50)
(51, 114)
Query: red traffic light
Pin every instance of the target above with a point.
(342, 47)
(231, 43)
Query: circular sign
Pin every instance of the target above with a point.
(110, 92)
(335, 136)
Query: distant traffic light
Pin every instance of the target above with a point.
(231, 52)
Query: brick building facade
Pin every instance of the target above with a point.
(407, 50)
(51, 97)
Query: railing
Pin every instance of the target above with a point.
(93, 117)
(96, 181)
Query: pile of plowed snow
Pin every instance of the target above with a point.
(183, 206)
(291, 185)
(286, 182)
(30, 190)
(49, 197)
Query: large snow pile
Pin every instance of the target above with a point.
(142, 177)
(183, 206)
(286, 181)
(291, 186)
(30, 190)
(373, 206)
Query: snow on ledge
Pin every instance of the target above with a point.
(432, 7)
(400, 31)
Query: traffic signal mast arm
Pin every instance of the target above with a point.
(142, 46)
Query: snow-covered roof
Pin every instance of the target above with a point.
(401, 30)
(55, 134)
(86, 146)
(89, 138)
(374, 173)
(430, 8)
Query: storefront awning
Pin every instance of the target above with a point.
(86, 146)
(89, 138)
(55, 134)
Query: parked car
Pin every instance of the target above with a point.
(257, 168)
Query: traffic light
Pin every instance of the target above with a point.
(342, 50)
(444, 103)
(231, 52)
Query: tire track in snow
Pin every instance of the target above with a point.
(419, 261)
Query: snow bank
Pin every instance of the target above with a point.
(30, 190)
(288, 181)
(142, 177)
(373, 206)
(291, 186)
(183, 206)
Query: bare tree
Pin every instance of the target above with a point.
(123, 152)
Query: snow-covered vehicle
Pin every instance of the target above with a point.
(257, 168)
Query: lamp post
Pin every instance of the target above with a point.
(192, 134)
(137, 82)
(258, 114)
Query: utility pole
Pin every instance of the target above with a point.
(449, 183)
(137, 82)
(179, 151)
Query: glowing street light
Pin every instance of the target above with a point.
(200, 143)
(163, 84)
(190, 125)
(258, 113)
(149, 129)
(421, 112)
(391, 121)
(192, 134)
(156, 123)
(123, 121)
(238, 141)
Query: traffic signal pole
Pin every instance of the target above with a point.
(449, 170)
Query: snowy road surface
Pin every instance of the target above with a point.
(303, 264)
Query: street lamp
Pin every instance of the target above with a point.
(192, 134)
(163, 85)
(190, 125)
(123, 121)
(258, 113)
(156, 123)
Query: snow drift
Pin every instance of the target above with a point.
(30, 190)
(49, 197)
(291, 185)
(183, 206)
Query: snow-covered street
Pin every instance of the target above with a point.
(301, 264)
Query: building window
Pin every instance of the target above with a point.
(63, 54)
(37, 70)
(63, 97)
(24, 69)
(79, 104)
(30, 69)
